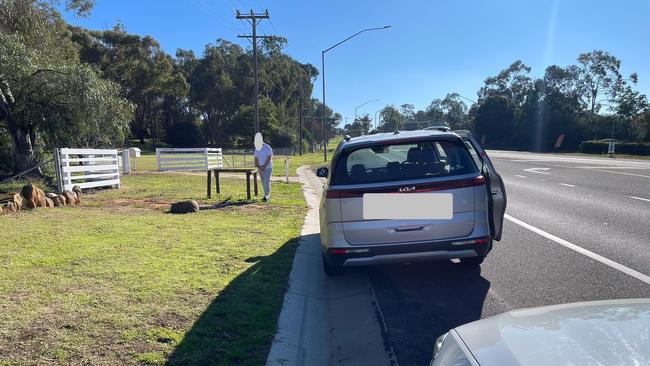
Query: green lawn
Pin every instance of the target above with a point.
(121, 281)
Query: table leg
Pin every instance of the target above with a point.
(248, 185)
(218, 179)
(255, 183)
(209, 184)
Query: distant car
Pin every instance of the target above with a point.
(409, 196)
(611, 332)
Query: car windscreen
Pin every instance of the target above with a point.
(403, 161)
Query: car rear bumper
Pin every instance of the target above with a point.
(406, 253)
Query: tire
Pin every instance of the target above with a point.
(332, 270)
(474, 261)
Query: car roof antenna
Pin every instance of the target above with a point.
(396, 132)
(347, 138)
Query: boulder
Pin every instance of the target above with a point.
(77, 190)
(41, 196)
(69, 198)
(56, 199)
(10, 207)
(48, 202)
(62, 200)
(30, 196)
(184, 207)
(18, 200)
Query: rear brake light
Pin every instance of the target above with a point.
(348, 251)
(471, 241)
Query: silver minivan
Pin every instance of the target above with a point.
(409, 196)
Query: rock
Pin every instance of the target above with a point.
(77, 190)
(62, 200)
(40, 199)
(69, 198)
(30, 196)
(10, 207)
(18, 200)
(56, 199)
(184, 207)
(48, 202)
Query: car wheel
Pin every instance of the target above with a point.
(332, 270)
(474, 261)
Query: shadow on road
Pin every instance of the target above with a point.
(422, 301)
(238, 326)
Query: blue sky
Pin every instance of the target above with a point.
(433, 47)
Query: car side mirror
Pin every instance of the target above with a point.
(322, 172)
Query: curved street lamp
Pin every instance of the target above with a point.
(322, 113)
(364, 103)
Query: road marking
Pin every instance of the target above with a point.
(606, 261)
(635, 175)
(520, 176)
(640, 199)
(567, 185)
(537, 170)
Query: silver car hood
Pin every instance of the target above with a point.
(612, 332)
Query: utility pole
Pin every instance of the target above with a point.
(300, 126)
(254, 19)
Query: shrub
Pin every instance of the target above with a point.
(600, 147)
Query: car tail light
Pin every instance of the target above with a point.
(471, 241)
(348, 251)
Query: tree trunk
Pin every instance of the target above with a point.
(24, 156)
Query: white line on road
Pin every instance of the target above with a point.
(537, 170)
(520, 176)
(634, 175)
(640, 199)
(627, 270)
(567, 185)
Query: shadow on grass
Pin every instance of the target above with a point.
(228, 202)
(237, 328)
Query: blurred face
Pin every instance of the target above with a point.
(258, 141)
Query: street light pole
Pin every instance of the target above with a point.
(364, 103)
(322, 112)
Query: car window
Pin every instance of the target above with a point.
(473, 153)
(395, 162)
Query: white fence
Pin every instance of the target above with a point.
(86, 168)
(189, 158)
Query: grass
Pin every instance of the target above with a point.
(147, 161)
(121, 281)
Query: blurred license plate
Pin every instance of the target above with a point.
(404, 206)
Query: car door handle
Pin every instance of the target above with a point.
(402, 229)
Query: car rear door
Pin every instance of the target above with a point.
(497, 199)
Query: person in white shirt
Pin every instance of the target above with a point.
(264, 162)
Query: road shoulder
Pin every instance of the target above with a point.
(327, 321)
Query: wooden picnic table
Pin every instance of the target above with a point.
(247, 171)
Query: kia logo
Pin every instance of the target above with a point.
(407, 189)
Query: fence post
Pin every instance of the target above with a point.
(126, 162)
(66, 173)
(207, 162)
(158, 158)
(57, 169)
(286, 169)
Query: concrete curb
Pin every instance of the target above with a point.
(327, 321)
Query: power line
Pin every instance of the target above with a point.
(254, 19)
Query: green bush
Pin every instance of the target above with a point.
(600, 147)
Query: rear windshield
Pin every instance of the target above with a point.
(403, 161)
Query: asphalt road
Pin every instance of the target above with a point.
(578, 230)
